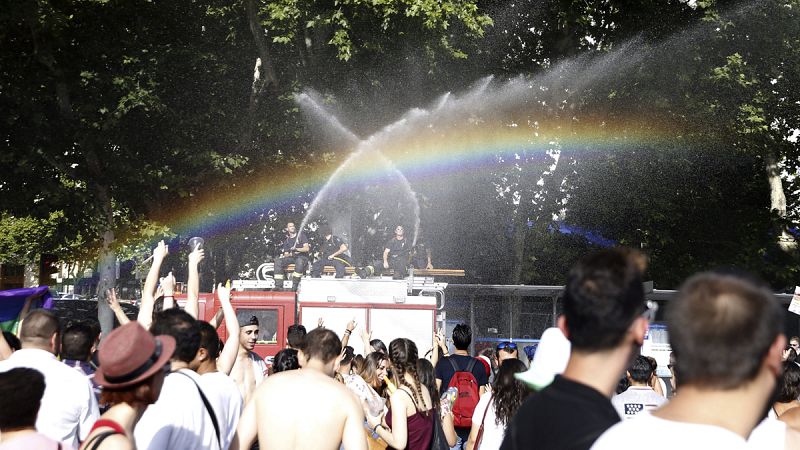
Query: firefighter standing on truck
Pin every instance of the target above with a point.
(333, 252)
(294, 250)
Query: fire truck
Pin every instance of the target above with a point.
(412, 308)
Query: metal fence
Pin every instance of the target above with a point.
(497, 313)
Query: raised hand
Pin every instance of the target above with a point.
(161, 251)
(196, 256)
(168, 284)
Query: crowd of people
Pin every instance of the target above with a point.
(166, 381)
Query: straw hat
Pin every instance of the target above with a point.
(131, 354)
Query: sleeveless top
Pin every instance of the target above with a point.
(420, 427)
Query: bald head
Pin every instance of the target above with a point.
(38, 329)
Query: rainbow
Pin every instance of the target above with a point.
(418, 155)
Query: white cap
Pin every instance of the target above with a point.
(549, 360)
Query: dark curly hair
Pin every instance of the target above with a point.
(284, 360)
(508, 392)
(790, 386)
(403, 355)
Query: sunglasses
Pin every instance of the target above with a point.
(508, 346)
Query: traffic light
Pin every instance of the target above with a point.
(48, 269)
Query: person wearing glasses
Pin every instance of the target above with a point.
(506, 350)
(604, 305)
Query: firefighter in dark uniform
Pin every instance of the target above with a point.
(333, 252)
(396, 254)
(421, 256)
(294, 250)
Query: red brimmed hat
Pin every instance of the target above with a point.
(131, 354)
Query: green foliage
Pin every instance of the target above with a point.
(23, 239)
(360, 24)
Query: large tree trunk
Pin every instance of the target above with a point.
(108, 276)
(777, 200)
(263, 73)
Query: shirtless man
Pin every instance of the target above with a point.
(249, 369)
(281, 403)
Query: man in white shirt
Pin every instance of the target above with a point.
(639, 396)
(180, 419)
(69, 407)
(220, 388)
(727, 335)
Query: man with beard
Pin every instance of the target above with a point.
(249, 369)
(727, 335)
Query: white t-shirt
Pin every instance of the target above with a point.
(769, 434)
(636, 399)
(33, 441)
(69, 407)
(492, 432)
(224, 396)
(179, 419)
(661, 434)
(365, 393)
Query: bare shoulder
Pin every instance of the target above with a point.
(792, 418)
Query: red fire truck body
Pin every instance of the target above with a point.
(383, 307)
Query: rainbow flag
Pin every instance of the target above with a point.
(12, 301)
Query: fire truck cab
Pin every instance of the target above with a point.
(386, 308)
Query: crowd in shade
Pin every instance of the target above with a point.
(167, 381)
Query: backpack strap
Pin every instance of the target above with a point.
(209, 409)
(471, 365)
(455, 366)
(98, 439)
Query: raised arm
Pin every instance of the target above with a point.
(26, 307)
(438, 342)
(347, 332)
(113, 303)
(366, 336)
(193, 283)
(227, 357)
(168, 283)
(145, 316)
(216, 321)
